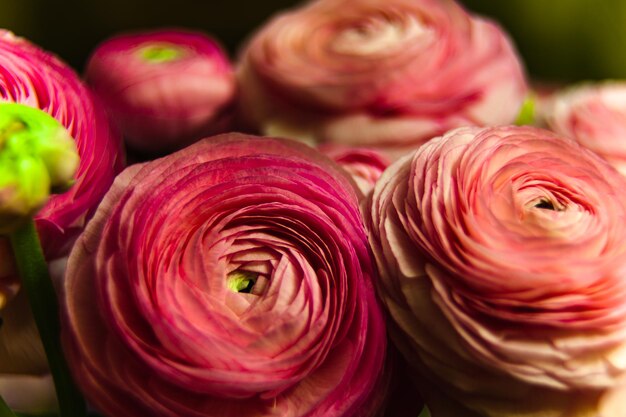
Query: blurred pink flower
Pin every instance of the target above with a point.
(231, 278)
(502, 254)
(31, 76)
(164, 88)
(364, 165)
(595, 116)
(387, 74)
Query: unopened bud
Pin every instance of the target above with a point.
(36, 154)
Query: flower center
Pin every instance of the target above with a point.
(241, 281)
(158, 53)
(546, 205)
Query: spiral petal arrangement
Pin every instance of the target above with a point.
(368, 73)
(255, 299)
(503, 260)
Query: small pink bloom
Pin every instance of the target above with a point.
(502, 253)
(595, 116)
(386, 74)
(164, 88)
(364, 165)
(231, 278)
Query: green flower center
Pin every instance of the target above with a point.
(241, 281)
(159, 53)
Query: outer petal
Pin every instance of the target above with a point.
(364, 165)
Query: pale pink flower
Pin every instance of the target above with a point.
(502, 254)
(595, 116)
(231, 278)
(164, 88)
(370, 73)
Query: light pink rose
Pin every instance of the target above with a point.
(164, 88)
(502, 254)
(31, 76)
(595, 116)
(389, 74)
(363, 164)
(231, 278)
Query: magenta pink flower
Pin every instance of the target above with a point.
(369, 73)
(363, 164)
(165, 88)
(36, 78)
(595, 116)
(31, 76)
(503, 260)
(231, 278)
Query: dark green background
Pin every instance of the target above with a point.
(560, 40)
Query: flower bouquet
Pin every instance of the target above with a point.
(368, 212)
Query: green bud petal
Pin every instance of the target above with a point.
(36, 153)
(526, 114)
(24, 189)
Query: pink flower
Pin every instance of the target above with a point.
(387, 74)
(164, 88)
(502, 254)
(595, 116)
(231, 278)
(364, 165)
(36, 78)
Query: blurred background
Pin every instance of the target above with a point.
(560, 40)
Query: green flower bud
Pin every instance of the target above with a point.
(36, 154)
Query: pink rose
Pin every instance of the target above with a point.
(595, 116)
(364, 165)
(231, 278)
(164, 88)
(370, 73)
(502, 254)
(31, 76)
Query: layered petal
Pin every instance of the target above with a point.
(363, 164)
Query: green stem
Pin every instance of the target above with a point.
(36, 281)
(5, 411)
